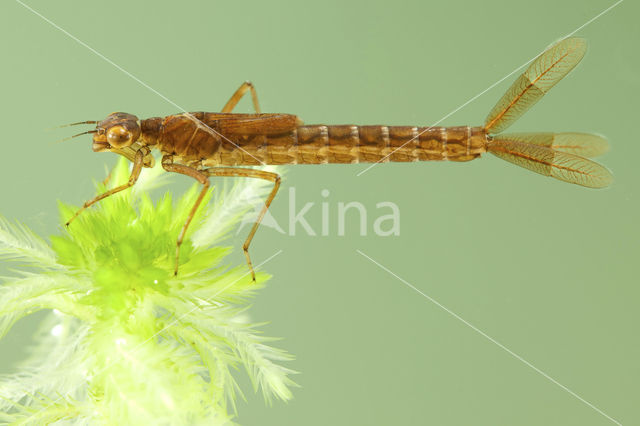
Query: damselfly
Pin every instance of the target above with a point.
(204, 144)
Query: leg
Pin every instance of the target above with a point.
(135, 173)
(242, 90)
(202, 177)
(259, 174)
(167, 164)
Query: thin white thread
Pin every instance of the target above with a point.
(184, 111)
(491, 339)
(492, 86)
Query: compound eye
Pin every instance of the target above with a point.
(118, 137)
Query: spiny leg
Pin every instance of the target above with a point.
(135, 173)
(259, 174)
(242, 90)
(167, 164)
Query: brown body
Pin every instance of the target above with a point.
(205, 144)
(254, 139)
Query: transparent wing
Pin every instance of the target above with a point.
(543, 73)
(560, 165)
(581, 144)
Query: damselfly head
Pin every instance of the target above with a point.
(118, 130)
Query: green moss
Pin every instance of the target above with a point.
(130, 343)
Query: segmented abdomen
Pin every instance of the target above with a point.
(320, 144)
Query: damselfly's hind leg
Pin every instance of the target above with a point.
(138, 163)
(202, 177)
(251, 173)
(242, 90)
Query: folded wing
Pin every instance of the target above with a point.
(549, 162)
(582, 144)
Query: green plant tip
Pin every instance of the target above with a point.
(126, 341)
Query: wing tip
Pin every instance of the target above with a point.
(604, 180)
(546, 161)
(576, 43)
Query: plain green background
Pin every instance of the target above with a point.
(547, 269)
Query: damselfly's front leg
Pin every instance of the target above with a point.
(242, 90)
(251, 173)
(135, 173)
